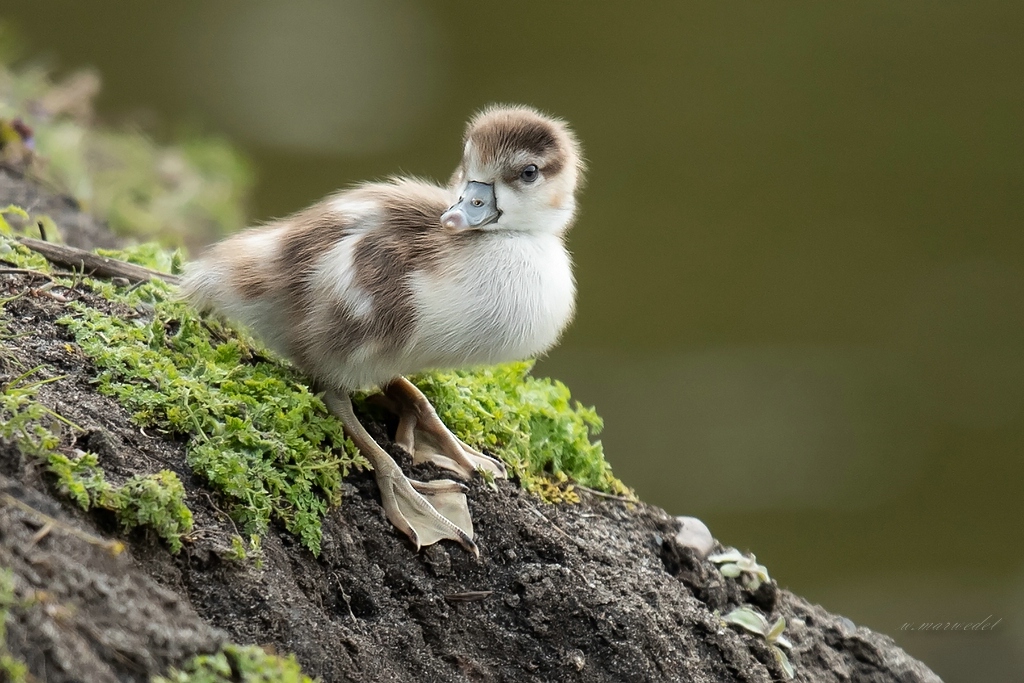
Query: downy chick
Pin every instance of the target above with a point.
(388, 279)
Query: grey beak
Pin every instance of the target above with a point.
(476, 208)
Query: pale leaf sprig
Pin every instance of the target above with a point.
(734, 564)
(755, 622)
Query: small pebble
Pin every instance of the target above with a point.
(695, 534)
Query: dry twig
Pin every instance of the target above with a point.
(94, 264)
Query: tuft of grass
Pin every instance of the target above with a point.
(238, 663)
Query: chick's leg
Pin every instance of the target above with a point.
(421, 432)
(426, 512)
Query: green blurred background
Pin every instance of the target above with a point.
(800, 255)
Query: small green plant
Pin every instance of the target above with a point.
(734, 564)
(13, 669)
(13, 252)
(240, 553)
(158, 502)
(26, 421)
(753, 621)
(5, 227)
(82, 480)
(238, 664)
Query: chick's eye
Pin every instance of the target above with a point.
(530, 173)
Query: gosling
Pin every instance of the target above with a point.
(392, 278)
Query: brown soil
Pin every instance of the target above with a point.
(593, 592)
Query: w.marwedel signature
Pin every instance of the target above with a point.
(984, 625)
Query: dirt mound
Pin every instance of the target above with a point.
(598, 591)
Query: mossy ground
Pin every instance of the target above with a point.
(155, 501)
(255, 432)
(248, 664)
(530, 422)
(263, 440)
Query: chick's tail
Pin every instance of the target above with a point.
(233, 275)
(206, 285)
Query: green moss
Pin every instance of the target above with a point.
(530, 422)
(155, 501)
(13, 252)
(82, 480)
(24, 420)
(239, 552)
(150, 255)
(238, 664)
(258, 435)
(12, 669)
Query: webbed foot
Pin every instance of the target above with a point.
(426, 512)
(427, 439)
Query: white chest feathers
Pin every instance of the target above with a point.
(508, 298)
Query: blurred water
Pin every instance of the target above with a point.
(800, 259)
